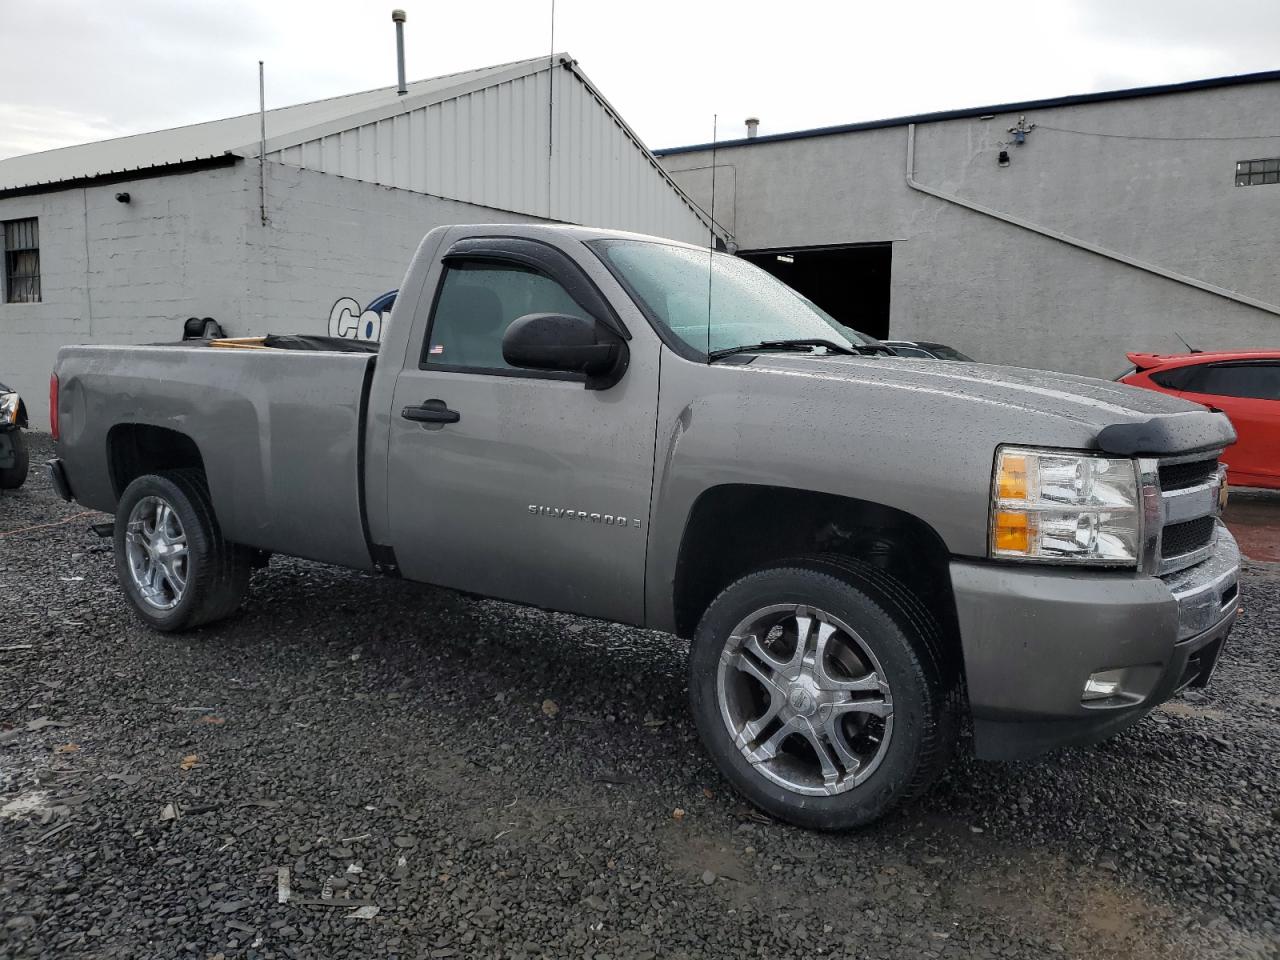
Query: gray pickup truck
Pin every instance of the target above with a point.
(866, 552)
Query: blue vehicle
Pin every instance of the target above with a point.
(383, 303)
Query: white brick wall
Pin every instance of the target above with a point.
(194, 245)
(329, 237)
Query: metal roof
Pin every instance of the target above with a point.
(286, 126)
(1019, 107)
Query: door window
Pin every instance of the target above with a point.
(1255, 381)
(1177, 378)
(476, 304)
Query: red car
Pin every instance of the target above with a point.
(1244, 384)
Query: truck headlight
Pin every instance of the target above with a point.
(1063, 507)
(8, 408)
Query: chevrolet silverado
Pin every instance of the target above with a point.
(867, 553)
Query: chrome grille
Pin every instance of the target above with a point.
(1179, 476)
(1180, 511)
(1208, 591)
(1180, 538)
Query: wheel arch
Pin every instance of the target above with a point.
(735, 529)
(135, 449)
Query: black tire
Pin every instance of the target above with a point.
(902, 635)
(15, 476)
(217, 571)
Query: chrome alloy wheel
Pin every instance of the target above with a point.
(156, 548)
(804, 699)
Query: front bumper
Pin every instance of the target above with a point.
(1033, 636)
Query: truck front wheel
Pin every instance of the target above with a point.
(819, 691)
(171, 560)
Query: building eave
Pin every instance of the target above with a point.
(1023, 106)
(572, 66)
(121, 176)
(403, 105)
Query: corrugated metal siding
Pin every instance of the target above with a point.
(490, 148)
(217, 137)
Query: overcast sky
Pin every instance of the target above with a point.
(78, 70)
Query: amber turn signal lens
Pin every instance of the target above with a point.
(1011, 484)
(1012, 531)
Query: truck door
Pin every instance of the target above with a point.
(539, 490)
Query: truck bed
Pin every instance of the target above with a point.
(279, 432)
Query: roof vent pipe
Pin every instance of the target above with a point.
(753, 125)
(399, 17)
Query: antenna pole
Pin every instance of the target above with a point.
(262, 143)
(711, 243)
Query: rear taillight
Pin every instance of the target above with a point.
(53, 405)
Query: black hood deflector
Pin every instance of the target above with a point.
(1168, 435)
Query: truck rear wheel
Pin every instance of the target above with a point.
(171, 560)
(819, 691)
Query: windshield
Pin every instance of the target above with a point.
(672, 285)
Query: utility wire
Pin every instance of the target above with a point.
(5, 534)
(1129, 136)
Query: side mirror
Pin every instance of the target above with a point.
(559, 341)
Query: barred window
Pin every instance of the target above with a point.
(1250, 173)
(22, 261)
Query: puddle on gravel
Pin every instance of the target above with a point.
(25, 804)
(1071, 907)
(1181, 709)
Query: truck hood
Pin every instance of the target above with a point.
(1124, 420)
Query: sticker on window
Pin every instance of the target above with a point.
(438, 348)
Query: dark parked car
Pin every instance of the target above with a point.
(926, 349)
(13, 446)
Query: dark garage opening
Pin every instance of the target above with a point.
(851, 283)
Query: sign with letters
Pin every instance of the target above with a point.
(347, 320)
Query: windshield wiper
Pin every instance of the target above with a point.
(797, 344)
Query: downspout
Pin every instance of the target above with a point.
(88, 272)
(1070, 241)
(262, 144)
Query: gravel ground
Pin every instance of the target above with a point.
(502, 782)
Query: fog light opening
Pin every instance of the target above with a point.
(1103, 685)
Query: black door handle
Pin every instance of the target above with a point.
(433, 411)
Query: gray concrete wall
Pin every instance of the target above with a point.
(194, 245)
(1003, 293)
